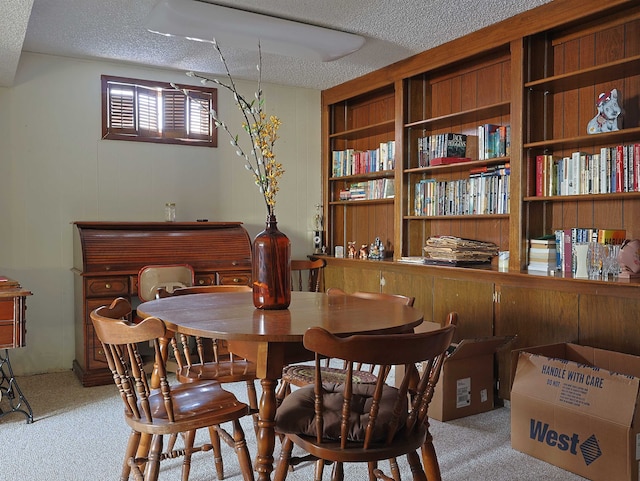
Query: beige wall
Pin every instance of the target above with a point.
(55, 169)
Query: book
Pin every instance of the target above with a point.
(540, 175)
(546, 240)
(611, 236)
(455, 145)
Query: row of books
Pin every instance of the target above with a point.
(494, 141)
(567, 239)
(372, 189)
(437, 146)
(613, 169)
(557, 251)
(355, 162)
(481, 193)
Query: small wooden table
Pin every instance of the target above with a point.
(12, 335)
(273, 339)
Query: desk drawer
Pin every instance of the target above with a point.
(205, 279)
(107, 287)
(11, 326)
(234, 278)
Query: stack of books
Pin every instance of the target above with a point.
(457, 251)
(542, 253)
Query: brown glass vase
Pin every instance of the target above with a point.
(271, 268)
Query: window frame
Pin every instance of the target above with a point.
(137, 133)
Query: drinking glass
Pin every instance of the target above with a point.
(595, 255)
(610, 265)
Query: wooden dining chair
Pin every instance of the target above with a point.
(303, 374)
(163, 277)
(307, 274)
(366, 423)
(169, 410)
(201, 359)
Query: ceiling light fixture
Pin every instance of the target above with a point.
(203, 21)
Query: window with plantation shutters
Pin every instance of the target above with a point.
(141, 110)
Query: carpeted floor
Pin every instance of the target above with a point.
(79, 434)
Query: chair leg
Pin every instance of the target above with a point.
(143, 449)
(430, 460)
(189, 438)
(282, 469)
(393, 466)
(132, 447)
(283, 390)
(242, 451)
(319, 470)
(372, 465)
(153, 464)
(416, 467)
(217, 452)
(338, 471)
(253, 404)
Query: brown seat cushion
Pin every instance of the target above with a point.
(296, 413)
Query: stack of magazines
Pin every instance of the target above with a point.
(456, 251)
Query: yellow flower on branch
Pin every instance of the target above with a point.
(262, 130)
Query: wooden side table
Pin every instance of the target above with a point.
(12, 335)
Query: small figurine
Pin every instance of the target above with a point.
(373, 251)
(351, 248)
(363, 252)
(608, 112)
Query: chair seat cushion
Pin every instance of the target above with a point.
(296, 413)
(301, 375)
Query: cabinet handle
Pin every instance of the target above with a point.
(107, 286)
(236, 280)
(201, 282)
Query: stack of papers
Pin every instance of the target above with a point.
(450, 249)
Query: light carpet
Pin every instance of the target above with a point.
(79, 434)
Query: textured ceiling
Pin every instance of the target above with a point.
(115, 30)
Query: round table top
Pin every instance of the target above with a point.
(232, 316)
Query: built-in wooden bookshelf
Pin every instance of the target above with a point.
(361, 124)
(539, 72)
(455, 99)
(565, 71)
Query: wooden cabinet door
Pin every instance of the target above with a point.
(417, 285)
(537, 316)
(471, 299)
(609, 322)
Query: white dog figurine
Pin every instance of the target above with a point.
(608, 112)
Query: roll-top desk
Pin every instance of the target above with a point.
(108, 256)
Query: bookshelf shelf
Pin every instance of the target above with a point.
(606, 72)
(583, 197)
(463, 117)
(362, 201)
(456, 217)
(587, 141)
(459, 167)
(382, 174)
(365, 131)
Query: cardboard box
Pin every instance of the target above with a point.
(467, 382)
(576, 407)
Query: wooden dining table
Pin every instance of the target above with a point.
(273, 338)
